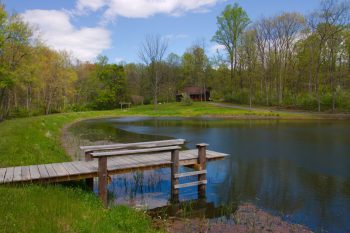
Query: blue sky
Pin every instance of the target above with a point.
(116, 28)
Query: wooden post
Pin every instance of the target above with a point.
(89, 181)
(174, 170)
(202, 157)
(102, 180)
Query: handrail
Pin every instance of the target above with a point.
(150, 144)
(138, 151)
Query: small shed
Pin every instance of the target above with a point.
(195, 93)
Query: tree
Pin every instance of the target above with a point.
(249, 54)
(113, 81)
(327, 22)
(231, 24)
(152, 52)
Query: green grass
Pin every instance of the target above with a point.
(56, 208)
(62, 209)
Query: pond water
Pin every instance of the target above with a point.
(299, 170)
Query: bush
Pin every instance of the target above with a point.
(186, 100)
(306, 101)
(238, 97)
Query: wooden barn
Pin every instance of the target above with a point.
(195, 93)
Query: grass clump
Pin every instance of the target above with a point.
(61, 209)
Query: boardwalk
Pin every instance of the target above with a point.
(59, 172)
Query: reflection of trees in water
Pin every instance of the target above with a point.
(269, 183)
(99, 130)
(134, 185)
(328, 195)
(286, 189)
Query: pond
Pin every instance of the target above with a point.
(299, 170)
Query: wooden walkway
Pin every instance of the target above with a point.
(59, 172)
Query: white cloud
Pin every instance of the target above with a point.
(175, 36)
(217, 48)
(144, 8)
(58, 33)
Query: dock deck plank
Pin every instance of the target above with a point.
(57, 172)
(2, 174)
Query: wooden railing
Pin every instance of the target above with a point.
(102, 152)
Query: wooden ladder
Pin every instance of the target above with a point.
(200, 172)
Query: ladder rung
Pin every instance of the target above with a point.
(185, 174)
(196, 183)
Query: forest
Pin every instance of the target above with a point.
(287, 60)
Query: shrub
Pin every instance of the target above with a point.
(186, 100)
(306, 101)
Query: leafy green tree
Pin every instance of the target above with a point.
(113, 81)
(231, 24)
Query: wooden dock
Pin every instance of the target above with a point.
(104, 160)
(60, 172)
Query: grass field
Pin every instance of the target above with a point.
(59, 208)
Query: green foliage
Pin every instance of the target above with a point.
(238, 97)
(186, 100)
(114, 85)
(306, 101)
(55, 208)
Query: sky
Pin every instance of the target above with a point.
(117, 28)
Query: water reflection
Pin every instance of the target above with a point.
(299, 170)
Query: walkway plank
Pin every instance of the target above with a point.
(60, 170)
(25, 173)
(17, 174)
(34, 172)
(50, 170)
(8, 175)
(2, 174)
(43, 172)
(71, 169)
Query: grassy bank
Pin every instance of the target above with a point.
(56, 208)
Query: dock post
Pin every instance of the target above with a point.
(174, 181)
(202, 157)
(102, 180)
(89, 181)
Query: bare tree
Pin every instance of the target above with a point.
(152, 52)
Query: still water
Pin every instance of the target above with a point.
(299, 170)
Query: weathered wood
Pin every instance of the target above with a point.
(43, 172)
(151, 144)
(9, 175)
(60, 170)
(186, 174)
(102, 180)
(89, 181)
(71, 169)
(50, 170)
(137, 151)
(190, 184)
(2, 174)
(25, 173)
(202, 158)
(88, 156)
(116, 165)
(174, 180)
(81, 168)
(34, 172)
(17, 174)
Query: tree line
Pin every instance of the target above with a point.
(287, 60)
